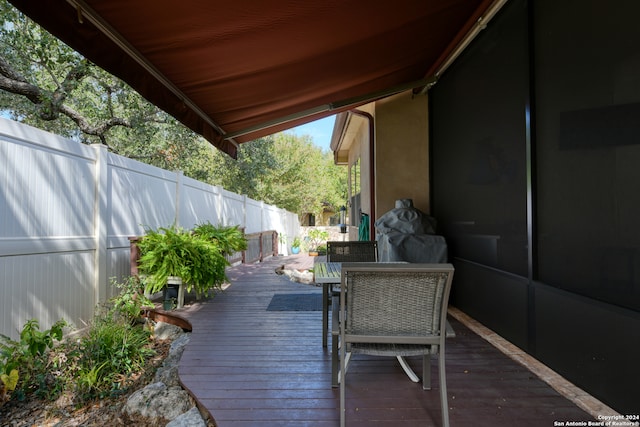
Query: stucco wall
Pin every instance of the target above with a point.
(402, 151)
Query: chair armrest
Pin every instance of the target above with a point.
(450, 332)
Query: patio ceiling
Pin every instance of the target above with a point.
(235, 71)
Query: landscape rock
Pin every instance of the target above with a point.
(167, 331)
(157, 401)
(165, 400)
(191, 418)
(304, 276)
(168, 372)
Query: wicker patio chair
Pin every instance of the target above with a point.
(356, 251)
(350, 251)
(395, 310)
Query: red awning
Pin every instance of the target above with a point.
(237, 70)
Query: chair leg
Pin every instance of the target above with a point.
(335, 338)
(407, 369)
(426, 372)
(343, 380)
(443, 389)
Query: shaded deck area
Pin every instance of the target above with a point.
(252, 367)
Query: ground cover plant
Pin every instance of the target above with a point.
(104, 360)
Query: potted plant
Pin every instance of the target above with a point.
(230, 239)
(295, 246)
(170, 253)
(316, 238)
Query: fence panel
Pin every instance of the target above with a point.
(67, 210)
(253, 216)
(199, 203)
(233, 209)
(140, 196)
(47, 238)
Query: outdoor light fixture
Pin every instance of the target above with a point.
(343, 219)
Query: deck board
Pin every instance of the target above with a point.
(252, 367)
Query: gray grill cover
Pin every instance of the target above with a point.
(407, 234)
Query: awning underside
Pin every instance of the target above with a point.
(235, 71)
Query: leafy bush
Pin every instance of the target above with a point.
(176, 252)
(316, 237)
(131, 300)
(229, 239)
(23, 364)
(102, 362)
(322, 249)
(106, 357)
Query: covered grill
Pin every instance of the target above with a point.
(407, 234)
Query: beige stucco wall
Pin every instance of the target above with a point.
(402, 151)
(401, 158)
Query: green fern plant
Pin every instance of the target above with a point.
(230, 239)
(196, 259)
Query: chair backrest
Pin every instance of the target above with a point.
(357, 251)
(396, 303)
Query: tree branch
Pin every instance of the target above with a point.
(52, 104)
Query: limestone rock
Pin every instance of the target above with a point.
(191, 418)
(299, 276)
(168, 372)
(165, 331)
(157, 401)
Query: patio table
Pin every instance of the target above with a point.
(327, 274)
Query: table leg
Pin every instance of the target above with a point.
(325, 313)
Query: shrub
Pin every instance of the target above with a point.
(23, 364)
(131, 300)
(102, 362)
(316, 237)
(176, 252)
(229, 239)
(110, 352)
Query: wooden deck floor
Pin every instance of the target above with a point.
(252, 367)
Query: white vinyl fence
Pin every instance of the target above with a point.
(68, 209)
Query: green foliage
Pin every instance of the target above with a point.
(296, 242)
(100, 363)
(131, 299)
(107, 355)
(176, 252)
(287, 171)
(9, 382)
(316, 237)
(229, 239)
(23, 363)
(90, 380)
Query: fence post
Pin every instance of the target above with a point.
(274, 242)
(261, 246)
(179, 185)
(220, 198)
(244, 253)
(244, 210)
(101, 217)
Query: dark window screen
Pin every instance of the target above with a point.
(479, 146)
(587, 77)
